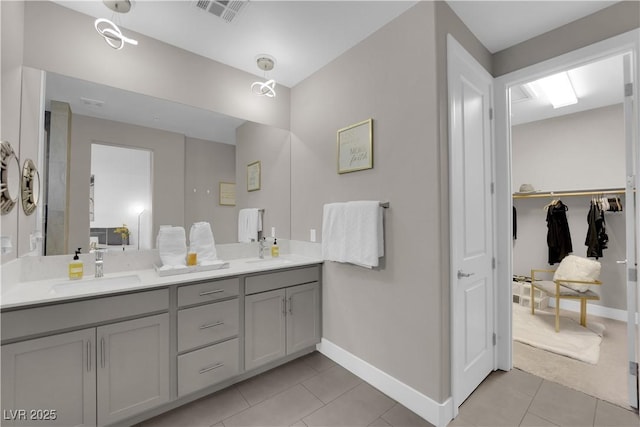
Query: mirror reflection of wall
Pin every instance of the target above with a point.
(122, 195)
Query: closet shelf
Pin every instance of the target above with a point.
(568, 193)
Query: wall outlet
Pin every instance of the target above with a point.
(312, 235)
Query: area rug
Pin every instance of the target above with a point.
(573, 340)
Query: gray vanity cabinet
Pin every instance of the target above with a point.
(133, 367)
(99, 374)
(281, 321)
(50, 381)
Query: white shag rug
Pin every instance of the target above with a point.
(573, 340)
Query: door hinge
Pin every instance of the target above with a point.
(490, 113)
(633, 369)
(493, 263)
(628, 89)
(633, 274)
(495, 339)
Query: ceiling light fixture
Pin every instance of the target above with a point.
(267, 88)
(109, 30)
(558, 89)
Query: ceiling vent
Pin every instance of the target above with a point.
(227, 10)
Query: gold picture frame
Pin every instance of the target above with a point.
(227, 193)
(253, 176)
(355, 147)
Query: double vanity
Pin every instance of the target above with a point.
(120, 349)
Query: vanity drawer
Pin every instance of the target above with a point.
(208, 291)
(50, 318)
(207, 324)
(281, 279)
(207, 366)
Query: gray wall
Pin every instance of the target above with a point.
(581, 151)
(616, 19)
(272, 147)
(395, 318)
(12, 25)
(207, 164)
(167, 169)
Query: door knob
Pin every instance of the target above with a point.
(462, 274)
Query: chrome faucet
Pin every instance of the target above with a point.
(261, 247)
(99, 264)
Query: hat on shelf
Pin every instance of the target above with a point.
(527, 188)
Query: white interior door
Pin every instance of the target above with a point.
(472, 248)
(632, 230)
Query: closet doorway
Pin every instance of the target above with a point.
(578, 153)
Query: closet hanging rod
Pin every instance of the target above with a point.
(568, 193)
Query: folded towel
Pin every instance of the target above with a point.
(201, 242)
(172, 245)
(249, 224)
(353, 232)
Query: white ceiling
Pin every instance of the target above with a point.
(303, 36)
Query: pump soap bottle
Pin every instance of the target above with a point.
(275, 249)
(76, 267)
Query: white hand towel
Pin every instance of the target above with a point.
(172, 245)
(364, 233)
(249, 223)
(334, 232)
(201, 242)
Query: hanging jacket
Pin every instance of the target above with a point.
(558, 234)
(597, 238)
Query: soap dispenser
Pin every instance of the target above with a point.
(275, 249)
(76, 267)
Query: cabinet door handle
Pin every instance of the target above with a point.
(211, 368)
(102, 352)
(216, 291)
(283, 306)
(89, 356)
(211, 325)
(290, 306)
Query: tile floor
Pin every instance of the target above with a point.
(314, 391)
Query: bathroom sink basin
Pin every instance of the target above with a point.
(268, 262)
(94, 284)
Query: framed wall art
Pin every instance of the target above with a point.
(355, 147)
(253, 176)
(227, 193)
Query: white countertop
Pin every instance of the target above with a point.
(62, 289)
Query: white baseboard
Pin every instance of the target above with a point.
(438, 414)
(592, 309)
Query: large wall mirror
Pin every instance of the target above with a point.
(190, 151)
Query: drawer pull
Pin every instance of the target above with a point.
(211, 368)
(217, 291)
(211, 325)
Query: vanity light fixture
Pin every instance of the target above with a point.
(267, 88)
(558, 89)
(109, 30)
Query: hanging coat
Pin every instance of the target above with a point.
(597, 238)
(558, 234)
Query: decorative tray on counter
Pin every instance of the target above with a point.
(191, 269)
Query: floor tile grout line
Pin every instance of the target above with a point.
(531, 403)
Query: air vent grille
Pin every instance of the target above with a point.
(227, 10)
(522, 93)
